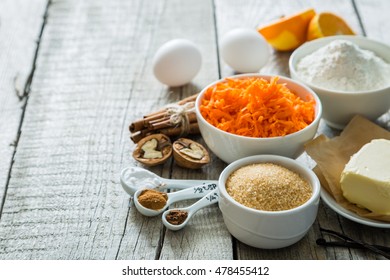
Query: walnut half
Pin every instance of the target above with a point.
(190, 154)
(153, 150)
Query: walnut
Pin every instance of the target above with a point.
(190, 154)
(153, 150)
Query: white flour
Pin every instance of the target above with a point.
(342, 65)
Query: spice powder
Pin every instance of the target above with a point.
(176, 217)
(152, 199)
(268, 187)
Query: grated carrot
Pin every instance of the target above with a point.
(256, 107)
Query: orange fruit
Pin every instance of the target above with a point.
(327, 24)
(288, 33)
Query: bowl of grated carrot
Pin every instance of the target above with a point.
(252, 114)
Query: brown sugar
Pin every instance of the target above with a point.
(176, 217)
(152, 199)
(268, 186)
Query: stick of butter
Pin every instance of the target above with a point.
(365, 179)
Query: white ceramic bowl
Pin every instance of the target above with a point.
(269, 229)
(230, 147)
(339, 107)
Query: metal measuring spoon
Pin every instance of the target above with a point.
(135, 178)
(209, 199)
(189, 193)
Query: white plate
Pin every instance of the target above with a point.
(329, 200)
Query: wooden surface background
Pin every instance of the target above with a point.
(74, 74)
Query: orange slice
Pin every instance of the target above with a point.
(288, 33)
(327, 24)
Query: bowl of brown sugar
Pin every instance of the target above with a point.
(268, 201)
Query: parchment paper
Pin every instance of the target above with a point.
(331, 156)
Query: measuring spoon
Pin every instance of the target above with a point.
(209, 199)
(135, 178)
(189, 193)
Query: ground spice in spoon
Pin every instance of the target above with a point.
(152, 199)
(176, 217)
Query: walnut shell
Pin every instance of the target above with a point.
(153, 150)
(190, 154)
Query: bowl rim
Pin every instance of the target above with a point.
(309, 175)
(314, 123)
(292, 62)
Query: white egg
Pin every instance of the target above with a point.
(177, 62)
(245, 50)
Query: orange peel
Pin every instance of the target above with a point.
(288, 33)
(327, 24)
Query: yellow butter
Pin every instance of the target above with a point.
(365, 179)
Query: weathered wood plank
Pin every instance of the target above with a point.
(376, 23)
(64, 199)
(198, 241)
(20, 27)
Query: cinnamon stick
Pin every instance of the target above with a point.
(169, 131)
(176, 131)
(160, 116)
(142, 123)
(167, 123)
(136, 137)
(160, 125)
(159, 122)
(153, 122)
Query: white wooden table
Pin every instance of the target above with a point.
(73, 76)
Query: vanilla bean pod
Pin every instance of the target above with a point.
(352, 243)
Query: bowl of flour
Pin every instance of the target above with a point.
(350, 74)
